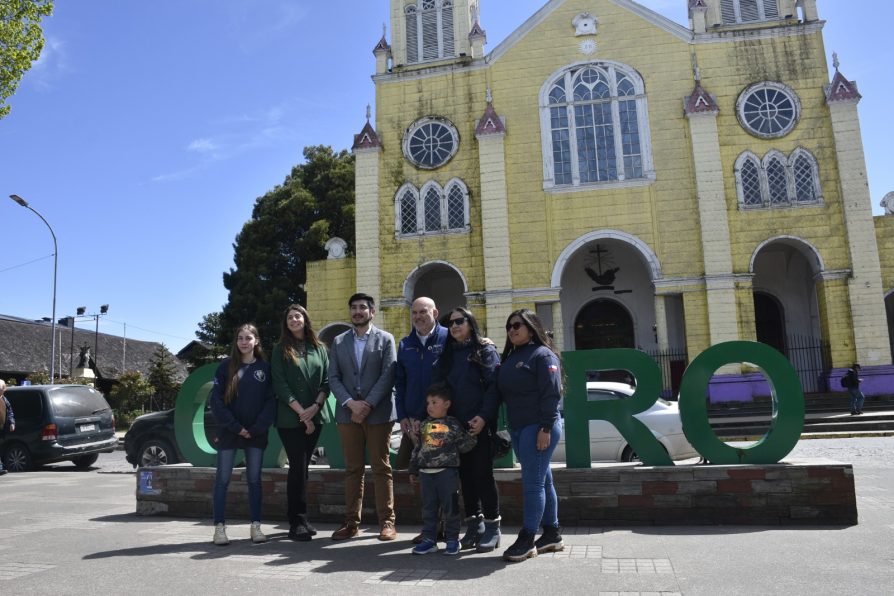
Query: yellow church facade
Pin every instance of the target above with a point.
(636, 182)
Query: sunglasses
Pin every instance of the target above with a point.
(514, 326)
(457, 322)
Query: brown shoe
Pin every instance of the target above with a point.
(388, 532)
(345, 532)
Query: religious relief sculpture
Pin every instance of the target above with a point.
(888, 203)
(584, 24)
(336, 248)
(600, 269)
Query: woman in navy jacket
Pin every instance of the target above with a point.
(530, 383)
(243, 405)
(469, 366)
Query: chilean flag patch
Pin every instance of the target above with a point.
(552, 368)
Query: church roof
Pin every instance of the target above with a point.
(382, 46)
(700, 101)
(367, 139)
(490, 123)
(840, 89)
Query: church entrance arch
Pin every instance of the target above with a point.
(440, 281)
(786, 307)
(331, 331)
(769, 321)
(603, 323)
(607, 292)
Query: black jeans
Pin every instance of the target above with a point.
(440, 489)
(299, 447)
(476, 474)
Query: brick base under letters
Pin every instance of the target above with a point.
(799, 492)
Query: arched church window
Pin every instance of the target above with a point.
(433, 210)
(406, 210)
(777, 181)
(432, 207)
(429, 27)
(594, 126)
(748, 11)
(806, 178)
(750, 182)
(777, 186)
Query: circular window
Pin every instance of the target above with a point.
(430, 143)
(768, 110)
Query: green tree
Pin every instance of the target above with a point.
(129, 396)
(211, 333)
(163, 378)
(21, 41)
(288, 227)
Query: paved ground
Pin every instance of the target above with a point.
(69, 532)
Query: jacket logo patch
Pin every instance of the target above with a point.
(260, 376)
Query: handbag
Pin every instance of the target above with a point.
(500, 444)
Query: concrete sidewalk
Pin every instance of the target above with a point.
(69, 532)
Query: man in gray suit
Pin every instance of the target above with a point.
(361, 376)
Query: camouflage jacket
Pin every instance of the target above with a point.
(440, 443)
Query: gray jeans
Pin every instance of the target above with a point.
(440, 489)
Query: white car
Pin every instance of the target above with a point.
(607, 444)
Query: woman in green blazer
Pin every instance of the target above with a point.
(300, 367)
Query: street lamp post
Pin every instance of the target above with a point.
(25, 204)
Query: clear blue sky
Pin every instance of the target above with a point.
(148, 128)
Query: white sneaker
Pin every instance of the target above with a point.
(220, 535)
(257, 536)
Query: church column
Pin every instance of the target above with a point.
(490, 133)
(367, 151)
(865, 289)
(661, 323)
(701, 110)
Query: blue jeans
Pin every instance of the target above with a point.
(857, 399)
(226, 458)
(541, 505)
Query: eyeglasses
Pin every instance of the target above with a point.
(457, 322)
(514, 326)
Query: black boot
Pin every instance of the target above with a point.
(550, 540)
(299, 530)
(491, 538)
(522, 549)
(474, 531)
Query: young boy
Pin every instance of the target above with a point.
(435, 461)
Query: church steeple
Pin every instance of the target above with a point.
(425, 31)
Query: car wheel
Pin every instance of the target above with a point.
(629, 455)
(156, 452)
(17, 458)
(85, 461)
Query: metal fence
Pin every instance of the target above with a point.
(811, 359)
(672, 364)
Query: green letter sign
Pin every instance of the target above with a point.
(788, 412)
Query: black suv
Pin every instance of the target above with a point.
(57, 423)
(150, 441)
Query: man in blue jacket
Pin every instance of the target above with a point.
(416, 354)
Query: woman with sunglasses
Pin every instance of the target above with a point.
(468, 365)
(529, 381)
